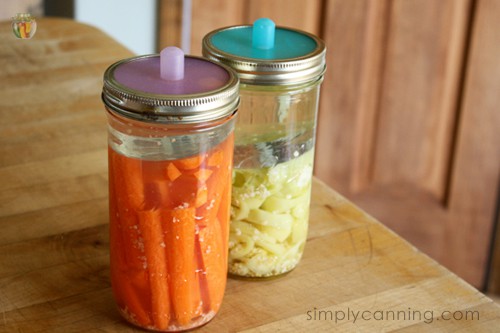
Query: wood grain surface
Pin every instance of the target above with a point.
(53, 216)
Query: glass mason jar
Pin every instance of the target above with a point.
(170, 161)
(280, 70)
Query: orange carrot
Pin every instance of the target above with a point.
(127, 295)
(214, 262)
(172, 172)
(130, 177)
(157, 195)
(197, 302)
(203, 174)
(223, 217)
(154, 248)
(218, 182)
(165, 199)
(190, 163)
(201, 275)
(179, 237)
(197, 297)
(184, 190)
(156, 184)
(201, 196)
(129, 277)
(128, 300)
(223, 212)
(214, 224)
(215, 158)
(123, 213)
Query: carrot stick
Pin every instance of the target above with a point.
(201, 195)
(157, 196)
(203, 174)
(179, 236)
(197, 288)
(208, 212)
(201, 275)
(130, 177)
(164, 194)
(218, 182)
(127, 295)
(214, 262)
(190, 163)
(152, 232)
(124, 213)
(185, 189)
(172, 172)
(128, 271)
(129, 298)
(156, 184)
(211, 245)
(215, 158)
(223, 217)
(214, 237)
(223, 213)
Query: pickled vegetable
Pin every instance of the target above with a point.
(169, 237)
(269, 217)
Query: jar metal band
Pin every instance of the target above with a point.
(290, 71)
(182, 109)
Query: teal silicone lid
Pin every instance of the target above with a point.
(265, 54)
(287, 43)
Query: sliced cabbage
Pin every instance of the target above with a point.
(269, 217)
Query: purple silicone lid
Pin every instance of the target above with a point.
(171, 88)
(144, 75)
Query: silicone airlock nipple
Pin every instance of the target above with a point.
(172, 63)
(263, 31)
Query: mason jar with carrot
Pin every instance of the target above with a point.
(170, 123)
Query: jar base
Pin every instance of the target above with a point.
(258, 278)
(201, 321)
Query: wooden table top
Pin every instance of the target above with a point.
(356, 275)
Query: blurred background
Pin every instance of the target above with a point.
(409, 120)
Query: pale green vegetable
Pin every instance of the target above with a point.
(243, 247)
(242, 209)
(270, 246)
(248, 229)
(298, 231)
(239, 213)
(265, 218)
(301, 212)
(278, 204)
(269, 217)
(243, 228)
(279, 234)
